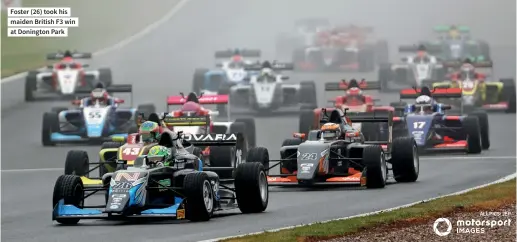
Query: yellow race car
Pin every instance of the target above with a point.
(478, 93)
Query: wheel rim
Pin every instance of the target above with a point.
(416, 161)
(208, 196)
(263, 187)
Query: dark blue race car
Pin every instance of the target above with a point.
(435, 130)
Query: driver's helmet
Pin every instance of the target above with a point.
(454, 34)
(161, 151)
(149, 132)
(100, 95)
(424, 104)
(330, 131)
(467, 70)
(266, 74)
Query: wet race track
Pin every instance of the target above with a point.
(162, 63)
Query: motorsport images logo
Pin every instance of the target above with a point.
(442, 233)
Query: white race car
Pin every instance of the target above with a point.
(267, 91)
(417, 70)
(64, 78)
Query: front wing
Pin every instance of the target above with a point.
(352, 178)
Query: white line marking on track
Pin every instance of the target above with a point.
(506, 178)
(122, 43)
(422, 158)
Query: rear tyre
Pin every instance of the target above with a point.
(376, 169)
(111, 156)
(471, 128)
(509, 94)
(30, 85)
(484, 128)
(251, 187)
(308, 93)
(250, 130)
(49, 126)
(260, 155)
(70, 189)
(288, 167)
(198, 82)
(306, 121)
(77, 163)
(404, 159)
(200, 197)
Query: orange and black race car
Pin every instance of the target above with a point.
(338, 154)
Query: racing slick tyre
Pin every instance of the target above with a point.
(58, 109)
(108, 156)
(306, 121)
(250, 131)
(375, 165)
(366, 60)
(200, 197)
(308, 93)
(77, 163)
(222, 156)
(382, 52)
(259, 154)
(471, 128)
(105, 76)
(146, 109)
(484, 128)
(404, 160)
(70, 189)
(251, 188)
(198, 83)
(384, 77)
(509, 94)
(30, 85)
(50, 125)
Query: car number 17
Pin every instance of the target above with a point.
(418, 125)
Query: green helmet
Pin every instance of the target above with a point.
(149, 132)
(159, 150)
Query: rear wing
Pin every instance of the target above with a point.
(239, 52)
(187, 121)
(447, 28)
(276, 66)
(377, 116)
(211, 139)
(414, 48)
(128, 88)
(436, 93)
(457, 64)
(204, 99)
(75, 55)
(343, 86)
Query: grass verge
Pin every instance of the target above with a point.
(101, 24)
(481, 198)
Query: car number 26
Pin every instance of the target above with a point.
(308, 156)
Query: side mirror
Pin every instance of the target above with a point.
(118, 139)
(285, 78)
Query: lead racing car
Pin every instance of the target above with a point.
(169, 182)
(338, 154)
(61, 80)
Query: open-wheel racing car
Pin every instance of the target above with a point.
(338, 154)
(61, 80)
(96, 118)
(267, 92)
(167, 183)
(436, 131)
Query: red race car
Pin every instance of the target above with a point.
(354, 101)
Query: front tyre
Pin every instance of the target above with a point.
(251, 187)
(200, 197)
(70, 190)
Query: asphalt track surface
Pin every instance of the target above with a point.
(162, 63)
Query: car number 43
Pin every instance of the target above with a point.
(131, 151)
(418, 125)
